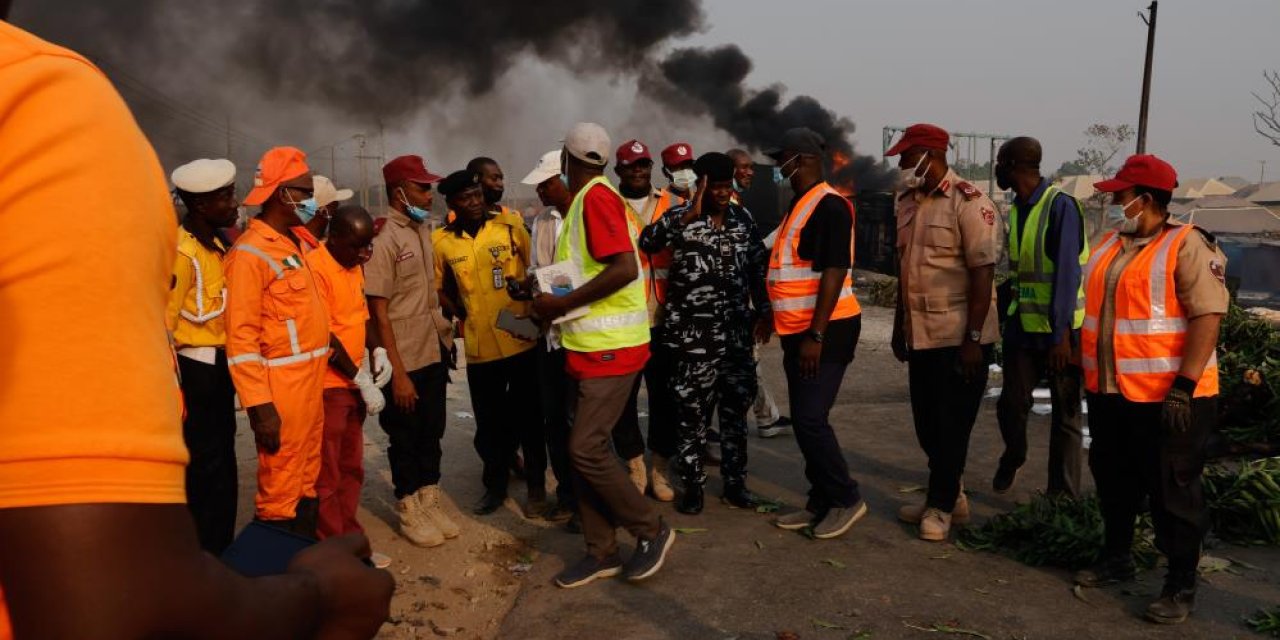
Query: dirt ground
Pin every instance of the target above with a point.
(736, 576)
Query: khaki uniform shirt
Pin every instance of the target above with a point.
(1199, 281)
(941, 235)
(402, 270)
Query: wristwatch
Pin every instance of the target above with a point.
(974, 336)
(817, 336)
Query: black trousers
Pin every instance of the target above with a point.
(944, 407)
(1023, 369)
(414, 451)
(811, 399)
(209, 432)
(1132, 457)
(663, 419)
(553, 387)
(507, 406)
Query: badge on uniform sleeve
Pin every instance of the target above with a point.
(1218, 270)
(293, 262)
(404, 256)
(989, 215)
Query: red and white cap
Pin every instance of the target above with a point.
(633, 151)
(1142, 170)
(677, 154)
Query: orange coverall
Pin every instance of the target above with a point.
(277, 348)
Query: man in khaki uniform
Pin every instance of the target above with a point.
(1151, 373)
(945, 325)
(405, 310)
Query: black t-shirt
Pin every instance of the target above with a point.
(828, 234)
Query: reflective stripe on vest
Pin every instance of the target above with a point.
(793, 284)
(297, 354)
(1035, 270)
(619, 320)
(1150, 327)
(654, 268)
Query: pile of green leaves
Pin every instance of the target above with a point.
(1266, 621)
(1244, 501)
(1052, 530)
(1249, 380)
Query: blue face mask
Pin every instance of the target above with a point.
(306, 210)
(777, 175)
(417, 213)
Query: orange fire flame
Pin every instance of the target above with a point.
(843, 184)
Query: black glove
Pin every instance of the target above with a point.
(1175, 414)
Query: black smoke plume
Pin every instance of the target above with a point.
(384, 60)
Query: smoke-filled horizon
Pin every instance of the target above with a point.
(239, 74)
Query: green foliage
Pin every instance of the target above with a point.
(1244, 502)
(1051, 530)
(1266, 621)
(1249, 379)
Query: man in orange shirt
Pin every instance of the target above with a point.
(349, 389)
(278, 341)
(97, 541)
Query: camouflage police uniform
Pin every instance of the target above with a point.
(715, 292)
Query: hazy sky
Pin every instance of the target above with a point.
(1034, 67)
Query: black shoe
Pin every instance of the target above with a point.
(557, 513)
(650, 554)
(574, 524)
(1004, 479)
(1173, 607)
(690, 501)
(587, 570)
(492, 501)
(1106, 572)
(740, 498)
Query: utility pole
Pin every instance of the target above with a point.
(1150, 20)
(364, 182)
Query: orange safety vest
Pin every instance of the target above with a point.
(654, 268)
(1150, 323)
(793, 284)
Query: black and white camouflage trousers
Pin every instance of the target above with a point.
(702, 385)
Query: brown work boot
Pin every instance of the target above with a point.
(912, 513)
(1173, 607)
(414, 524)
(433, 511)
(935, 525)
(659, 485)
(639, 476)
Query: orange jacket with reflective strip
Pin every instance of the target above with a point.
(654, 268)
(792, 282)
(275, 316)
(1150, 327)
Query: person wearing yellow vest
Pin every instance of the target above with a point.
(1155, 295)
(605, 350)
(646, 205)
(945, 325)
(197, 300)
(1047, 250)
(474, 257)
(770, 423)
(818, 320)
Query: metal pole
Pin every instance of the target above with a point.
(1262, 173)
(1146, 75)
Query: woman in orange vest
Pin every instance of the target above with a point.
(1155, 295)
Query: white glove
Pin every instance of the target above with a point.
(374, 401)
(381, 367)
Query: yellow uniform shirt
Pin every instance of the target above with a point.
(197, 295)
(479, 266)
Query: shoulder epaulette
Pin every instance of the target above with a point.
(967, 190)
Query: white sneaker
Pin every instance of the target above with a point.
(429, 500)
(415, 526)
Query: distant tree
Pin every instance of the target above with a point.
(1070, 168)
(1102, 143)
(1266, 121)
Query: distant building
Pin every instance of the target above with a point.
(1266, 194)
(1228, 215)
(1196, 188)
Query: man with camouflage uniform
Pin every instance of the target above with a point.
(716, 295)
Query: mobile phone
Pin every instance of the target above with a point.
(522, 328)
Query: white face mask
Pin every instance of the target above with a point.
(913, 178)
(1118, 217)
(684, 179)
